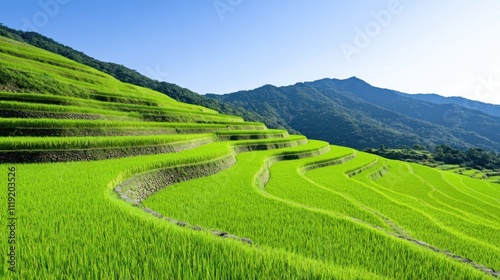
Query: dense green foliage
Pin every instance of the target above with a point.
(472, 157)
(491, 109)
(443, 154)
(353, 113)
(244, 202)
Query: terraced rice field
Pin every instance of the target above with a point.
(114, 181)
(488, 175)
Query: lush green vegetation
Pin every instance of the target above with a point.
(473, 162)
(296, 215)
(353, 113)
(306, 209)
(54, 143)
(127, 75)
(472, 157)
(348, 112)
(72, 225)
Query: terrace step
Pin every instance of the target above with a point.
(140, 187)
(380, 172)
(120, 104)
(19, 113)
(61, 127)
(363, 168)
(32, 155)
(306, 194)
(325, 163)
(302, 240)
(19, 110)
(248, 135)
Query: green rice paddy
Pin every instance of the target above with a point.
(308, 209)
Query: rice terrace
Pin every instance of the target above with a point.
(108, 180)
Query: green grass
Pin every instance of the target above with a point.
(313, 211)
(173, 115)
(432, 213)
(494, 179)
(35, 76)
(277, 132)
(81, 230)
(234, 127)
(69, 143)
(448, 166)
(124, 104)
(231, 201)
(277, 141)
(20, 106)
(294, 186)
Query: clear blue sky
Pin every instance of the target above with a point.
(447, 47)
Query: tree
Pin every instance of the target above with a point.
(419, 147)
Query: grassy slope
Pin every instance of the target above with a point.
(127, 75)
(306, 225)
(296, 213)
(64, 207)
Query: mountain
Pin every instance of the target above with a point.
(344, 118)
(170, 190)
(127, 75)
(491, 109)
(351, 112)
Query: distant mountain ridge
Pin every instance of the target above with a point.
(491, 109)
(351, 112)
(346, 112)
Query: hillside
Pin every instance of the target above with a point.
(490, 109)
(108, 180)
(127, 75)
(353, 113)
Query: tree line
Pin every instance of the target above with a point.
(476, 158)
